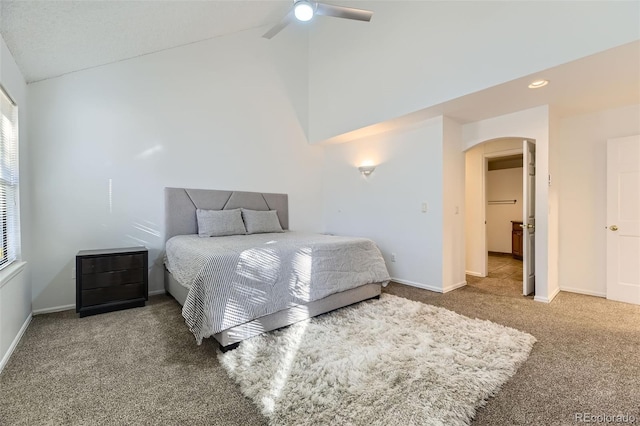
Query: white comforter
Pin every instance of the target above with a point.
(239, 278)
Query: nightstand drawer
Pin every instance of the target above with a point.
(102, 295)
(110, 279)
(92, 265)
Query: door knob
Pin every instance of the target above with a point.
(613, 227)
(522, 226)
(530, 226)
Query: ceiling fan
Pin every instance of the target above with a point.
(304, 10)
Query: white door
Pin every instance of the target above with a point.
(529, 218)
(623, 219)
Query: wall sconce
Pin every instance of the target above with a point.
(366, 170)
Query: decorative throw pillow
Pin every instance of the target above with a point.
(218, 223)
(259, 222)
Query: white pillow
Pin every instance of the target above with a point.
(260, 222)
(218, 223)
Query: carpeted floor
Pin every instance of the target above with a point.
(141, 366)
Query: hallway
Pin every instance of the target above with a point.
(504, 277)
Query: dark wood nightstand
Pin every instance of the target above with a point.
(516, 239)
(110, 280)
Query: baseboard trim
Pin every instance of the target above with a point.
(475, 274)
(581, 291)
(454, 286)
(54, 309)
(73, 306)
(500, 253)
(418, 285)
(547, 299)
(14, 344)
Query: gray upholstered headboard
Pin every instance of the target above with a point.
(180, 206)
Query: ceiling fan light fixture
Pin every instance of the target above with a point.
(303, 10)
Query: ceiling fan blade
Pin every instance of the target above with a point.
(288, 18)
(343, 12)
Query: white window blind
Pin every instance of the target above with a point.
(8, 179)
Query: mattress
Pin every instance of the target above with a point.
(235, 279)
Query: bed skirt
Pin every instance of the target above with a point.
(231, 337)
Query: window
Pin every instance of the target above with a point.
(9, 233)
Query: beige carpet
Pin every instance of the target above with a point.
(134, 367)
(141, 366)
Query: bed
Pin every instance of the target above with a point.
(234, 287)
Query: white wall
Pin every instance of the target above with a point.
(474, 213)
(415, 54)
(555, 201)
(386, 206)
(533, 124)
(582, 173)
(422, 164)
(221, 114)
(15, 288)
(505, 184)
(453, 206)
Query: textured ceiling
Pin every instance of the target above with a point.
(51, 38)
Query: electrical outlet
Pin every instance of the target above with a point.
(424, 207)
(393, 257)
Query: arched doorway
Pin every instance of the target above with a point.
(500, 215)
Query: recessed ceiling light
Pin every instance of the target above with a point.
(538, 83)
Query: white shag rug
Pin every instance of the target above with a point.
(391, 361)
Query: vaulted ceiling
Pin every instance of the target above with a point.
(50, 38)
